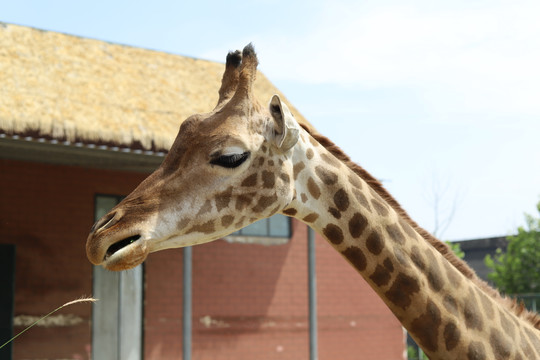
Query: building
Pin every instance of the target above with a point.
(476, 250)
(82, 122)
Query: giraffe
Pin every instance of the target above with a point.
(242, 162)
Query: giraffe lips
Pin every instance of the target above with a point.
(120, 245)
(125, 254)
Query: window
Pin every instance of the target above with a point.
(117, 316)
(275, 230)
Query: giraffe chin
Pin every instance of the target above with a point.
(126, 258)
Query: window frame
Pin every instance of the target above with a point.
(265, 239)
(118, 330)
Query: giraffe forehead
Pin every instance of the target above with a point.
(218, 124)
(216, 141)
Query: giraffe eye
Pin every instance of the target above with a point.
(230, 161)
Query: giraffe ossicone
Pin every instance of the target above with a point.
(242, 162)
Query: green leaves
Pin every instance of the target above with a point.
(518, 270)
(456, 249)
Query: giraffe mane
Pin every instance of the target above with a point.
(512, 304)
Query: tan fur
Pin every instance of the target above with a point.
(517, 308)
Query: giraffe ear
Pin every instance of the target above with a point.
(285, 128)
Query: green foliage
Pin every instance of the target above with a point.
(412, 354)
(518, 270)
(456, 249)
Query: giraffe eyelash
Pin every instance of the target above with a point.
(230, 161)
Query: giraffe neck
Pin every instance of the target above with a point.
(446, 313)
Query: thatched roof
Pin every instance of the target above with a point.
(67, 88)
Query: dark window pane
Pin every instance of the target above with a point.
(104, 203)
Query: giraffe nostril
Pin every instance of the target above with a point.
(105, 222)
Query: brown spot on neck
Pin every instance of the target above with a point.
(425, 327)
(334, 212)
(311, 217)
(402, 291)
(331, 160)
(450, 304)
(326, 176)
(435, 279)
(374, 243)
(333, 233)
(361, 198)
(355, 181)
(290, 211)
(381, 276)
(401, 257)
(471, 312)
(417, 258)
(453, 275)
(341, 200)
(476, 351)
(313, 188)
(452, 335)
(395, 233)
(388, 264)
(407, 228)
(357, 225)
(381, 209)
(297, 168)
(309, 153)
(501, 345)
(356, 257)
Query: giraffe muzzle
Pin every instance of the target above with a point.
(114, 244)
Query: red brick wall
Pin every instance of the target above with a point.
(47, 211)
(249, 301)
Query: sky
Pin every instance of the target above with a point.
(438, 99)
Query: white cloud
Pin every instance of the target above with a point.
(474, 59)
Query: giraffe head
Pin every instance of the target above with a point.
(225, 170)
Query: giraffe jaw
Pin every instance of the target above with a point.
(133, 250)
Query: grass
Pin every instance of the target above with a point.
(81, 300)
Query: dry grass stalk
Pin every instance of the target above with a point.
(81, 300)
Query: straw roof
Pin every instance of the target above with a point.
(62, 87)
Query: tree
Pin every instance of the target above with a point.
(444, 208)
(518, 270)
(456, 249)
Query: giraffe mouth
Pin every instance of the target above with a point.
(117, 246)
